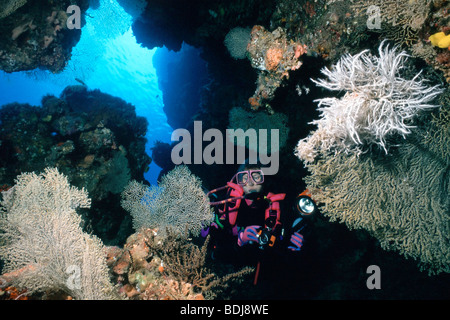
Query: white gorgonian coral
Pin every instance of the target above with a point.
(178, 202)
(378, 103)
(42, 242)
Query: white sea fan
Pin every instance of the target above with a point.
(42, 242)
(178, 202)
(378, 103)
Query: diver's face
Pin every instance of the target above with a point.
(251, 180)
(250, 187)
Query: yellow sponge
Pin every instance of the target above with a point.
(440, 39)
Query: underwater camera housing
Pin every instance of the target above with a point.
(265, 238)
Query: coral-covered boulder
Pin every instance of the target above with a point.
(93, 138)
(35, 34)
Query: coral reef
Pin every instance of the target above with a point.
(439, 39)
(358, 186)
(151, 267)
(378, 104)
(274, 56)
(181, 90)
(12, 293)
(161, 156)
(178, 202)
(428, 53)
(95, 139)
(132, 7)
(329, 29)
(401, 200)
(414, 25)
(436, 56)
(35, 34)
(48, 256)
(409, 14)
(43, 243)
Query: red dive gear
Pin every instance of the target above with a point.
(228, 210)
(235, 194)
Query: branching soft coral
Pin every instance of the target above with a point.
(185, 263)
(178, 201)
(378, 103)
(42, 242)
(400, 200)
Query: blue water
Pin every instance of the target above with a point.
(107, 58)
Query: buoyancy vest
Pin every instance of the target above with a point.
(272, 214)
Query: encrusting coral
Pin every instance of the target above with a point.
(274, 56)
(170, 267)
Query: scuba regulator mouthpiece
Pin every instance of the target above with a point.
(253, 195)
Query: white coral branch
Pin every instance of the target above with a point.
(178, 202)
(378, 102)
(41, 238)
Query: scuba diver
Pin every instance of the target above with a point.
(251, 224)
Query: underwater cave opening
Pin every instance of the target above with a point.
(107, 58)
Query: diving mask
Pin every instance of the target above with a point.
(243, 177)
